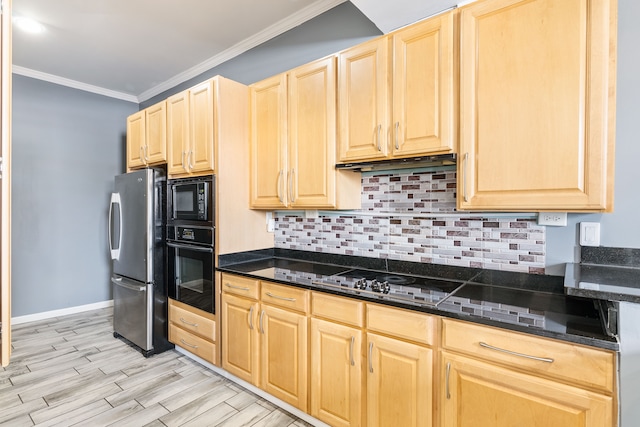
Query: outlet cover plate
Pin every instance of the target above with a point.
(558, 219)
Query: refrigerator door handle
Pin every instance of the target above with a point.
(115, 200)
(125, 284)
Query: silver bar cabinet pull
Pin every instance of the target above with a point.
(378, 141)
(397, 144)
(195, 325)
(241, 288)
(146, 153)
(279, 186)
(513, 353)
(251, 318)
(261, 322)
(446, 382)
(279, 297)
(353, 362)
(189, 159)
(183, 166)
(370, 357)
(464, 176)
(291, 192)
(187, 344)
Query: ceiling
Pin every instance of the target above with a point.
(136, 49)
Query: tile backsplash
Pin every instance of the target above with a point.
(411, 216)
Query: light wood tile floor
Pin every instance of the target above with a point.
(70, 370)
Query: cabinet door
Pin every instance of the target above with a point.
(240, 338)
(155, 150)
(268, 143)
(178, 133)
(336, 373)
(537, 101)
(363, 97)
(312, 134)
(136, 126)
(284, 355)
(201, 153)
(399, 383)
(423, 88)
(481, 394)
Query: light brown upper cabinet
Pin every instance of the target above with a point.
(191, 122)
(293, 142)
(396, 93)
(147, 137)
(537, 105)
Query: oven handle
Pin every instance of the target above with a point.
(189, 247)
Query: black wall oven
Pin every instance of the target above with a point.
(190, 242)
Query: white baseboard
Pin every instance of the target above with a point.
(62, 312)
(266, 396)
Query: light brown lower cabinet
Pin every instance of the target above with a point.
(194, 330)
(264, 337)
(485, 395)
(493, 377)
(399, 383)
(336, 384)
(351, 363)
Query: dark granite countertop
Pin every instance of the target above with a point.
(610, 282)
(520, 302)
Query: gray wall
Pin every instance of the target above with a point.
(337, 29)
(622, 227)
(67, 146)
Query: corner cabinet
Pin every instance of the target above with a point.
(494, 377)
(414, 114)
(537, 105)
(293, 142)
(191, 122)
(147, 137)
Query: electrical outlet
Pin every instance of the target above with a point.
(552, 218)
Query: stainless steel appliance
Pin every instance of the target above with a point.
(136, 240)
(191, 243)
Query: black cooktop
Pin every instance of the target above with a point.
(416, 290)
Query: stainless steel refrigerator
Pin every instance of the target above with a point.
(137, 219)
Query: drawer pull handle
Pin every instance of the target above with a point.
(261, 322)
(241, 288)
(251, 318)
(195, 325)
(279, 297)
(353, 362)
(370, 357)
(513, 353)
(187, 344)
(446, 382)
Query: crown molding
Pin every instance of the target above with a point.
(27, 72)
(274, 30)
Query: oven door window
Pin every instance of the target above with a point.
(192, 270)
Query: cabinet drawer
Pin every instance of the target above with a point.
(336, 308)
(570, 362)
(192, 322)
(285, 296)
(194, 344)
(401, 323)
(242, 286)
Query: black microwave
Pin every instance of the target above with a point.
(191, 199)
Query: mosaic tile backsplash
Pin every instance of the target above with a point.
(411, 216)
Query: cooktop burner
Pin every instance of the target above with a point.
(414, 290)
